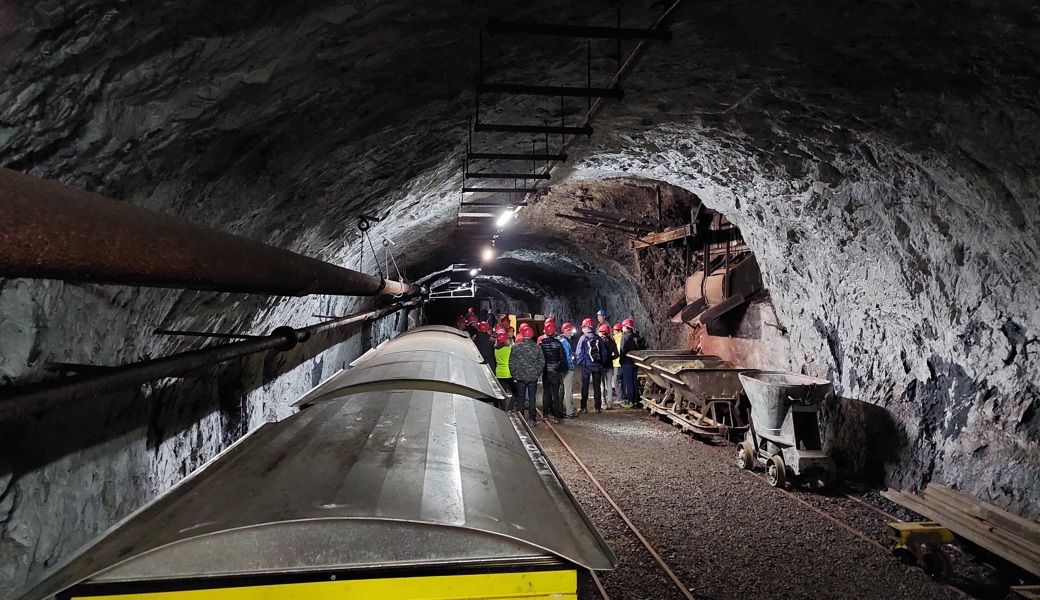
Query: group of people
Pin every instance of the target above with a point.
(598, 355)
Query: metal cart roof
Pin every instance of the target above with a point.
(423, 359)
(378, 479)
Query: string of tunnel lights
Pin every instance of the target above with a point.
(568, 134)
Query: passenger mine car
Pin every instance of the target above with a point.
(386, 485)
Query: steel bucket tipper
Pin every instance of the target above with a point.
(703, 397)
(656, 392)
(784, 432)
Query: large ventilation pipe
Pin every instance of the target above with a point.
(52, 231)
(23, 401)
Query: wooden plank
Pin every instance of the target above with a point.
(595, 223)
(616, 217)
(999, 535)
(1024, 527)
(962, 529)
(661, 237)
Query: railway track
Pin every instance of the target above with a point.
(628, 522)
(813, 503)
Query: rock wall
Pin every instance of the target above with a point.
(879, 158)
(910, 284)
(68, 475)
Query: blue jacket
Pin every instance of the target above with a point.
(567, 350)
(581, 356)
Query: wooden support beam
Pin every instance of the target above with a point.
(595, 223)
(663, 237)
(633, 219)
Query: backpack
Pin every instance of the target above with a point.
(595, 354)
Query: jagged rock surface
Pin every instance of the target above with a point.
(879, 157)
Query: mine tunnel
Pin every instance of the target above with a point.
(208, 210)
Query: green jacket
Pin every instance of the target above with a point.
(502, 361)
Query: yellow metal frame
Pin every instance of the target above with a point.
(538, 585)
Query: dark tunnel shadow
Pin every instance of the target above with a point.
(32, 442)
(861, 437)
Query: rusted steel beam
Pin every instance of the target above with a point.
(52, 231)
(22, 401)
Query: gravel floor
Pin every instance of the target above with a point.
(725, 532)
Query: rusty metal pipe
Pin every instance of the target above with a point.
(35, 398)
(53, 231)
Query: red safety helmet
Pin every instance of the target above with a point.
(471, 318)
(628, 323)
(550, 327)
(483, 327)
(587, 323)
(618, 326)
(604, 328)
(567, 326)
(526, 331)
(550, 320)
(500, 329)
(502, 338)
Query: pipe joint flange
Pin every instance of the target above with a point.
(292, 337)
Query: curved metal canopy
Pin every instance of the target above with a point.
(384, 478)
(427, 358)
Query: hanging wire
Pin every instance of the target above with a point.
(375, 256)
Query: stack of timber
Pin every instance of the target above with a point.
(1008, 536)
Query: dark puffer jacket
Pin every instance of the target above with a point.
(610, 351)
(526, 361)
(486, 346)
(552, 350)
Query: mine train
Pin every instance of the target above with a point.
(772, 414)
(398, 478)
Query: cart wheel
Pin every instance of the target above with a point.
(775, 471)
(937, 564)
(904, 555)
(745, 456)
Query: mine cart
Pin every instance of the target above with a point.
(656, 391)
(703, 397)
(784, 433)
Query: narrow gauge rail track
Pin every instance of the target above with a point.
(866, 537)
(628, 522)
(838, 493)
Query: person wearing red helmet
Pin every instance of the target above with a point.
(589, 356)
(619, 381)
(566, 336)
(552, 375)
(471, 325)
(460, 322)
(610, 352)
(630, 342)
(502, 351)
(526, 363)
(486, 345)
